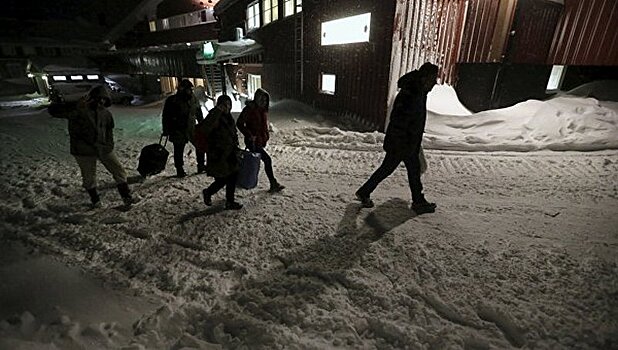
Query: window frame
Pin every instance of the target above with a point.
(257, 16)
(324, 91)
(273, 11)
(348, 21)
(296, 6)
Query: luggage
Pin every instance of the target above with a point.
(153, 158)
(249, 169)
(200, 140)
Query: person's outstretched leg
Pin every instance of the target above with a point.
(200, 157)
(389, 164)
(212, 189)
(419, 203)
(230, 191)
(179, 150)
(88, 169)
(275, 186)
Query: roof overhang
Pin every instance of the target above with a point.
(229, 50)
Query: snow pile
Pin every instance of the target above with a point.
(561, 124)
(442, 99)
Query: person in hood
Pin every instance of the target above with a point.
(91, 135)
(404, 135)
(222, 152)
(253, 124)
(180, 114)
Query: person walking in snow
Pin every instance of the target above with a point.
(180, 114)
(222, 152)
(91, 135)
(404, 136)
(253, 124)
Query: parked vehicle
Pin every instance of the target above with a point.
(65, 90)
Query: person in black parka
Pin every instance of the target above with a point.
(180, 114)
(404, 135)
(222, 152)
(91, 132)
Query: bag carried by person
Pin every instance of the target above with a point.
(153, 158)
(200, 139)
(249, 169)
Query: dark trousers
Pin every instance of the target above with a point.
(268, 162)
(230, 186)
(388, 166)
(179, 150)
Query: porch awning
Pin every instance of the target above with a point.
(62, 64)
(229, 50)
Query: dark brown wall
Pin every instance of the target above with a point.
(362, 69)
(534, 26)
(587, 34)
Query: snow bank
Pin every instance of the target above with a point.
(561, 124)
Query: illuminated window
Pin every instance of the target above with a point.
(92, 77)
(328, 84)
(254, 82)
(59, 78)
(288, 7)
(253, 16)
(354, 29)
(77, 77)
(153, 26)
(165, 23)
(271, 10)
(555, 78)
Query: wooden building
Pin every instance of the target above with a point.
(346, 56)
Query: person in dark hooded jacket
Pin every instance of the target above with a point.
(222, 152)
(180, 114)
(404, 135)
(253, 124)
(91, 135)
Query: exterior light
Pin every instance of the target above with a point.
(188, 44)
(77, 77)
(208, 51)
(92, 77)
(59, 78)
(30, 75)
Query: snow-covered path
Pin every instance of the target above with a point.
(521, 251)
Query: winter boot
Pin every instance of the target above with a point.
(94, 198)
(125, 193)
(180, 173)
(366, 202)
(207, 197)
(423, 207)
(201, 168)
(232, 206)
(276, 187)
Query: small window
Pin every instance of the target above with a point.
(254, 82)
(328, 84)
(92, 77)
(77, 77)
(354, 29)
(59, 78)
(165, 23)
(555, 78)
(153, 26)
(291, 7)
(253, 16)
(271, 10)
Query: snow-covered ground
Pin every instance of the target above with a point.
(521, 251)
